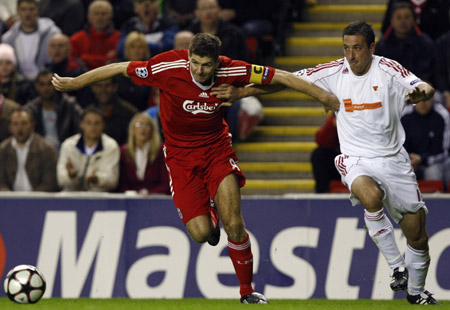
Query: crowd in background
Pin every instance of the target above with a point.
(115, 123)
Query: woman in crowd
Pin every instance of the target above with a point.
(142, 167)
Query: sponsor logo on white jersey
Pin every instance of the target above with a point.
(196, 107)
(203, 95)
(142, 72)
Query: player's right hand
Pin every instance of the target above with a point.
(63, 83)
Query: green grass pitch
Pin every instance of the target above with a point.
(209, 304)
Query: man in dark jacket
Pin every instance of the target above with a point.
(405, 43)
(57, 115)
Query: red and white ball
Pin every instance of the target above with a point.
(24, 284)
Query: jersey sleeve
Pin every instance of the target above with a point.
(401, 75)
(322, 75)
(140, 73)
(261, 74)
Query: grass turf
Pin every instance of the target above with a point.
(209, 304)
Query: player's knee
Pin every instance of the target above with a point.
(418, 241)
(234, 229)
(373, 199)
(200, 235)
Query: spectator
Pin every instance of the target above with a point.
(159, 31)
(27, 160)
(427, 127)
(29, 37)
(182, 40)
(61, 12)
(142, 167)
(118, 112)
(96, 44)
(13, 86)
(123, 10)
(61, 61)
(56, 114)
(322, 158)
(7, 107)
(405, 43)
(182, 11)
(232, 37)
(139, 96)
(442, 67)
(263, 23)
(89, 161)
(432, 16)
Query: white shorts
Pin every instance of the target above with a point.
(394, 175)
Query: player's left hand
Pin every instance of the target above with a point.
(419, 94)
(227, 93)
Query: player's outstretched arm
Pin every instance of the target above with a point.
(230, 94)
(421, 92)
(95, 75)
(330, 101)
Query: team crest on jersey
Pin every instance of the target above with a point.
(142, 72)
(345, 71)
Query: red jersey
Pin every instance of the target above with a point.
(190, 115)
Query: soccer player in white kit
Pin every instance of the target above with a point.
(373, 92)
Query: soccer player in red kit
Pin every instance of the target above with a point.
(201, 162)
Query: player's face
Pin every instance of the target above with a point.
(358, 54)
(21, 126)
(202, 68)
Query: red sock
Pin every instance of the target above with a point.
(242, 258)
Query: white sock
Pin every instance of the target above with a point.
(417, 262)
(382, 233)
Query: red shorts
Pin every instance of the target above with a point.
(195, 175)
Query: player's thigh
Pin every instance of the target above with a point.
(190, 195)
(368, 191)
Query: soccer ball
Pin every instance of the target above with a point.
(24, 284)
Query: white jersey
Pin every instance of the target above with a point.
(368, 121)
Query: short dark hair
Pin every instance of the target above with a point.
(93, 109)
(402, 5)
(19, 2)
(362, 28)
(205, 45)
(42, 73)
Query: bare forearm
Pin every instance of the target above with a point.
(96, 75)
(256, 90)
(292, 81)
(101, 73)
